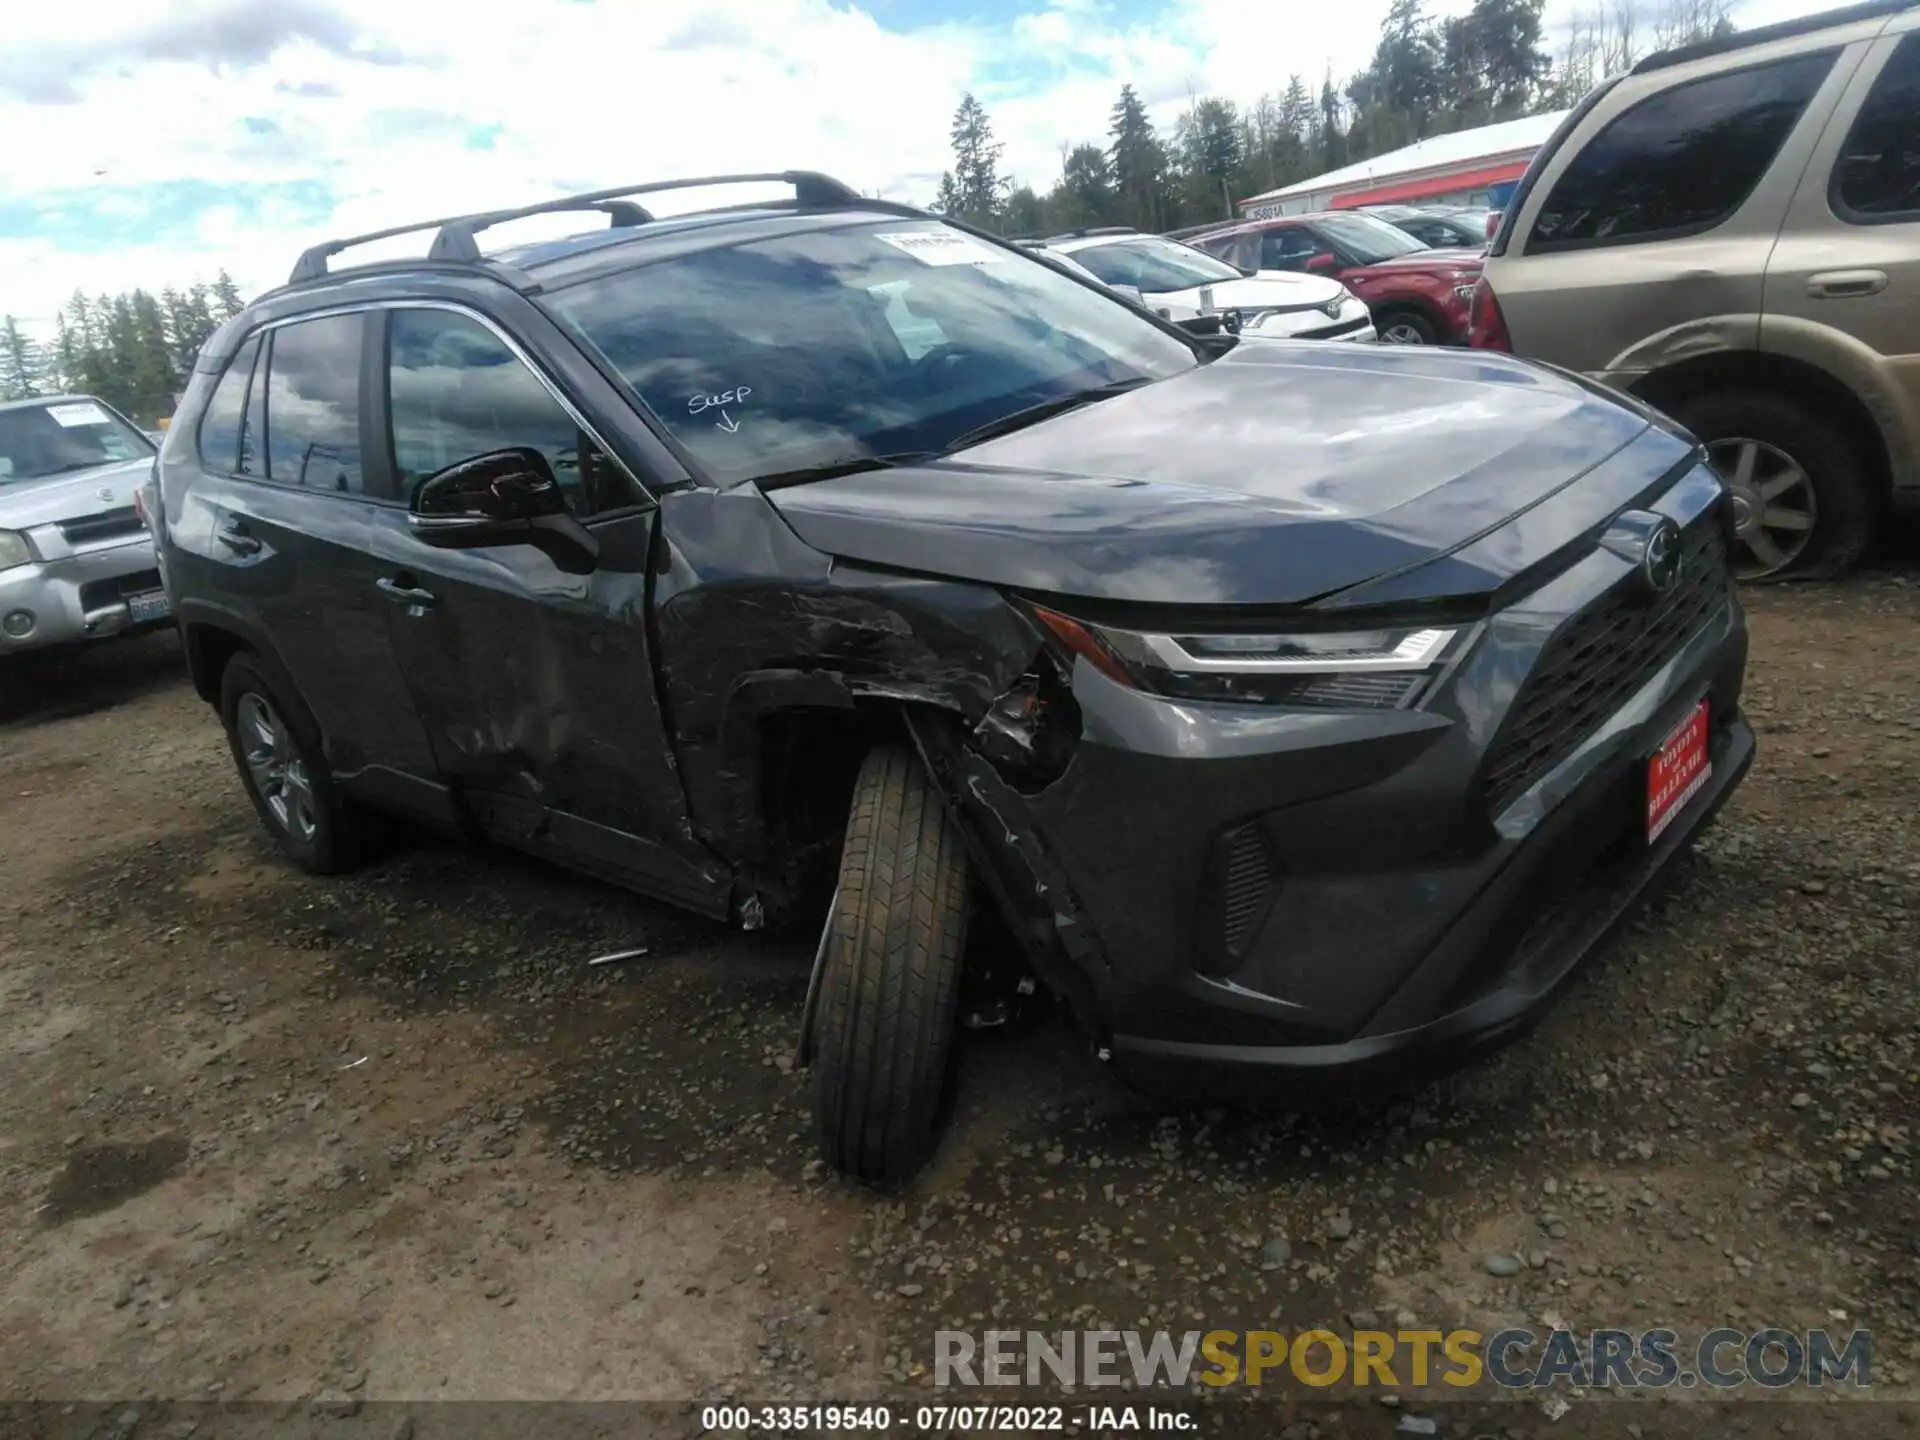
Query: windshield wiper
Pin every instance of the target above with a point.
(845, 465)
(1032, 414)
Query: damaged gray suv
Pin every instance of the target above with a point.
(1288, 710)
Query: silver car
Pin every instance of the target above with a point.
(76, 562)
(1732, 233)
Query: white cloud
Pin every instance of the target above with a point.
(374, 98)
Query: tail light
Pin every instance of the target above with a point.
(1493, 223)
(1486, 323)
(140, 507)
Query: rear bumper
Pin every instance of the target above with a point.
(76, 597)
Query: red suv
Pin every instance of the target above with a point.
(1418, 295)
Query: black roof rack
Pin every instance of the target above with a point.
(454, 238)
(1086, 230)
(1784, 30)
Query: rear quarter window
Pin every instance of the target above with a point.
(1679, 162)
(219, 434)
(1877, 178)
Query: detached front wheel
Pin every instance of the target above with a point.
(890, 978)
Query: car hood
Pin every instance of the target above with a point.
(1432, 260)
(78, 493)
(1277, 474)
(1270, 289)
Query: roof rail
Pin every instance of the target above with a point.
(454, 237)
(1784, 30)
(1085, 230)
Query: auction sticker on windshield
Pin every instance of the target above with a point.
(1677, 771)
(84, 412)
(943, 247)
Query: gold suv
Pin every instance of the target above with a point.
(1731, 232)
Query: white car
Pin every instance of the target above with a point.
(1182, 283)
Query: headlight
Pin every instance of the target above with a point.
(1378, 668)
(14, 550)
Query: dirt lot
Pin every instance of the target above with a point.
(387, 1139)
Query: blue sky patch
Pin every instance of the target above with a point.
(101, 219)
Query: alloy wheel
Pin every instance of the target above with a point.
(1775, 509)
(277, 770)
(1400, 332)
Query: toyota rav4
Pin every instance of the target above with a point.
(1418, 295)
(1287, 710)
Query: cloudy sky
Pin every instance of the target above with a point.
(151, 141)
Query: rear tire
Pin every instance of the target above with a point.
(1827, 512)
(890, 982)
(276, 747)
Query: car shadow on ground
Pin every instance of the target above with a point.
(40, 687)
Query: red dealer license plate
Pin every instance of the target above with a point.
(1677, 771)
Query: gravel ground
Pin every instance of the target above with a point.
(385, 1140)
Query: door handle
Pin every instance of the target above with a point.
(234, 536)
(1846, 284)
(396, 589)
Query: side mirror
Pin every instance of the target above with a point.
(1322, 261)
(504, 497)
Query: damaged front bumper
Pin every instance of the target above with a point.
(1237, 899)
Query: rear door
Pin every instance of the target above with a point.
(536, 686)
(277, 525)
(1843, 289)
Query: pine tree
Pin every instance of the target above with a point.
(152, 375)
(1139, 163)
(66, 356)
(1086, 187)
(1333, 141)
(20, 369)
(226, 297)
(973, 190)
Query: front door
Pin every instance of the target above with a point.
(1845, 276)
(536, 686)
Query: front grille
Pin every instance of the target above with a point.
(1595, 662)
(1334, 332)
(107, 525)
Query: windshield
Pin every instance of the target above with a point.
(868, 339)
(62, 436)
(1367, 240)
(1153, 265)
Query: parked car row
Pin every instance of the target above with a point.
(1183, 284)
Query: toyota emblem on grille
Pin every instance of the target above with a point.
(1660, 561)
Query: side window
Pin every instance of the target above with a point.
(313, 404)
(220, 423)
(1680, 162)
(1287, 249)
(1877, 177)
(455, 391)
